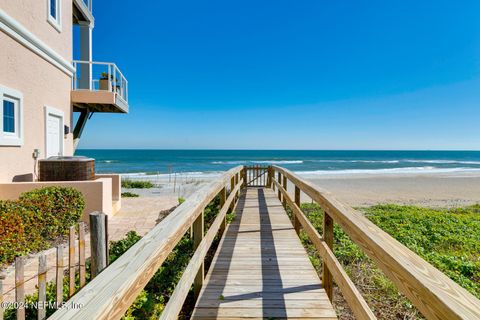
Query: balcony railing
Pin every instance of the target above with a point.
(99, 76)
(88, 3)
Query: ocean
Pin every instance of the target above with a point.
(198, 162)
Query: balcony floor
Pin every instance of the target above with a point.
(98, 101)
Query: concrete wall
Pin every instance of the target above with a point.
(97, 193)
(116, 190)
(41, 83)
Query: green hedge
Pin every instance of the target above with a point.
(37, 218)
(130, 184)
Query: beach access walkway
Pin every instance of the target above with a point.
(260, 269)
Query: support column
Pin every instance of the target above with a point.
(85, 74)
(77, 131)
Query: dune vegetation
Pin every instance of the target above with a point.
(449, 239)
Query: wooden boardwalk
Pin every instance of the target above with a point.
(261, 269)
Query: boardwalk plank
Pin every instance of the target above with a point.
(261, 269)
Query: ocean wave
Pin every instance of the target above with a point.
(180, 175)
(439, 161)
(259, 161)
(405, 170)
(442, 161)
(280, 161)
(354, 161)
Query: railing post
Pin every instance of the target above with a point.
(2, 277)
(269, 177)
(244, 175)
(296, 222)
(327, 279)
(71, 261)
(285, 187)
(198, 231)
(20, 287)
(279, 180)
(232, 186)
(109, 78)
(223, 198)
(98, 242)
(114, 79)
(42, 287)
(237, 178)
(81, 253)
(59, 277)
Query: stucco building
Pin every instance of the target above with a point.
(41, 88)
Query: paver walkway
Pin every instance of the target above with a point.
(139, 214)
(261, 269)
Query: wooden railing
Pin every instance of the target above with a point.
(112, 292)
(76, 255)
(431, 291)
(256, 176)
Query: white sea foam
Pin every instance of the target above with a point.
(280, 161)
(179, 175)
(405, 170)
(442, 161)
(259, 161)
(354, 161)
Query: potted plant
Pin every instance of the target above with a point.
(103, 82)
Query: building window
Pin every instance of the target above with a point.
(8, 116)
(11, 115)
(54, 13)
(53, 9)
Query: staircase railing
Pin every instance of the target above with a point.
(431, 291)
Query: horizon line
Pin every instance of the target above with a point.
(207, 149)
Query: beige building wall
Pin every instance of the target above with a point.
(97, 193)
(40, 82)
(33, 15)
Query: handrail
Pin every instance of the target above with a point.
(118, 85)
(175, 303)
(431, 291)
(112, 292)
(351, 294)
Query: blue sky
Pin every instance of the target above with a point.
(291, 74)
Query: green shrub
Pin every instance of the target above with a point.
(117, 248)
(130, 184)
(150, 303)
(181, 200)
(449, 239)
(13, 239)
(58, 207)
(38, 217)
(129, 195)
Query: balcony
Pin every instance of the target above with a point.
(99, 87)
(82, 12)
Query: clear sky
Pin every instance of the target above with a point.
(308, 74)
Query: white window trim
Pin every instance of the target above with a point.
(61, 115)
(56, 23)
(7, 138)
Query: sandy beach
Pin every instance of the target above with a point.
(427, 189)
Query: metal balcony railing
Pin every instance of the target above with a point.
(88, 3)
(99, 76)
